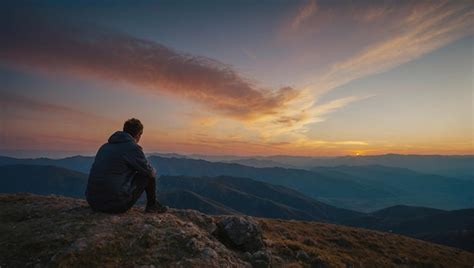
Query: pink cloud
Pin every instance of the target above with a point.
(90, 52)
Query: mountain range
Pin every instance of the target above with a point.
(360, 188)
(243, 196)
(445, 165)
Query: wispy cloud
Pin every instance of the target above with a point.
(98, 53)
(304, 13)
(293, 122)
(420, 29)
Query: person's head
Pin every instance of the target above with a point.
(133, 127)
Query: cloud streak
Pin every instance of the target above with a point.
(421, 28)
(304, 13)
(97, 53)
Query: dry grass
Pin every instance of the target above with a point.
(38, 231)
(339, 246)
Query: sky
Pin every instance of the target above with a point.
(309, 78)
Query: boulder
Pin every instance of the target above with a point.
(240, 233)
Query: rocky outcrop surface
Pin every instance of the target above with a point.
(54, 231)
(239, 232)
(57, 231)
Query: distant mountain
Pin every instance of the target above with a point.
(454, 228)
(78, 163)
(445, 165)
(460, 166)
(452, 165)
(255, 198)
(221, 195)
(402, 212)
(362, 188)
(358, 188)
(259, 163)
(169, 155)
(334, 188)
(184, 199)
(42, 180)
(409, 187)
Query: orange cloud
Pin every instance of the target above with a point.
(92, 52)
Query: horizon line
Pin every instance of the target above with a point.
(246, 156)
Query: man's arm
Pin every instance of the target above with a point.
(138, 161)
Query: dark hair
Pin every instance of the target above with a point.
(133, 127)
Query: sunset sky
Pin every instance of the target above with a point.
(313, 78)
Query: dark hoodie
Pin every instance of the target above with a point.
(110, 179)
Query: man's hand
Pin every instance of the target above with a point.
(154, 172)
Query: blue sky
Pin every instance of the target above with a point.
(238, 77)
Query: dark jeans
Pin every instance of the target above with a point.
(142, 184)
(139, 185)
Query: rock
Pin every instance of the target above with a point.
(260, 264)
(209, 253)
(302, 255)
(261, 255)
(259, 258)
(240, 233)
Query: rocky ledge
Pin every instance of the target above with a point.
(51, 231)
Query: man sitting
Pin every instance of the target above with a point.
(121, 173)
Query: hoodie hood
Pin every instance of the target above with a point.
(121, 137)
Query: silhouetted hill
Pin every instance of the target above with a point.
(221, 195)
(184, 199)
(259, 163)
(77, 163)
(362, 188)
(42, 180)
(445, 165)
(454, 228)
(256, 198)
(328, 187)
(461, 166)
(56, 231)
(403, 212)
(408, 187)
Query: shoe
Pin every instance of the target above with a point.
(158, 208)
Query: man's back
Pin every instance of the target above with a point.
(117, 162)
